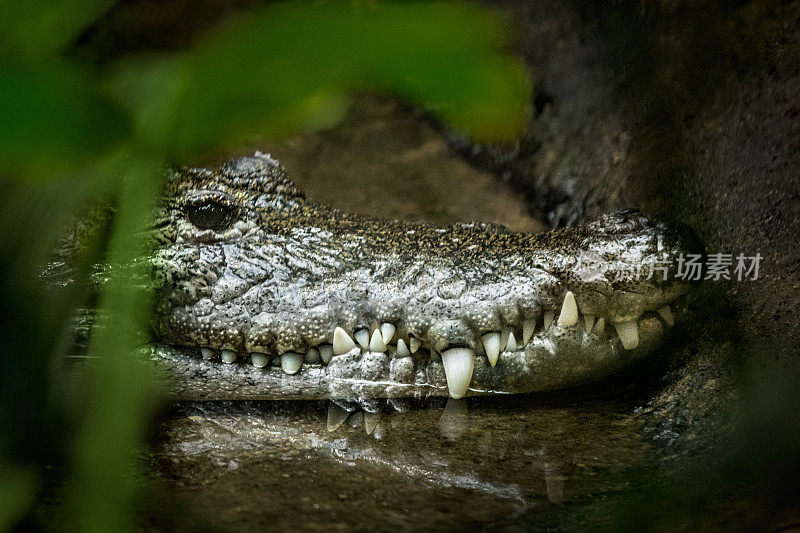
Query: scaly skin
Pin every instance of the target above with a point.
(274, 274)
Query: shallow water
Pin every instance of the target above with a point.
(488, 462)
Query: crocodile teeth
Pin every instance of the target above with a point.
(628, 333)
(207, 353)
(259, 360)
(326, 352)
(313, 357)
(588, 322)
(511, 345)
(291, 362)
(458, 365)
(491, 343)
(336, 416)
(414, 344)
(402, 349)
(387, 332)
(376, 343)
(548, 319)
(342, 343)
(600, 327)
(528, 327)
(666, 314)
(228, 356)
(569, 311)
(362, 338)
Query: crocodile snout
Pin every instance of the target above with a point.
(252, 273)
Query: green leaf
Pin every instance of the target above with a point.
(290, 66)
(119, 386)
(17, 492)
(38, 29)
(53, 120)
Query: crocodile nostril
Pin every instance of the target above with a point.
(210, 215)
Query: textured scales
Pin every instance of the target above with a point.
(245, 262)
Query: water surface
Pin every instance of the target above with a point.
(487, 462)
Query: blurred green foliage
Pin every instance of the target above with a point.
(290, 67)
(52, 105)
(45, 29)
(74, 133)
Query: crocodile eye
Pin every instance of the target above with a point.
(210, 215)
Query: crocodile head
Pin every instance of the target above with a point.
(262, 292)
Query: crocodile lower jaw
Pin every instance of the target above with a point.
(380, 363)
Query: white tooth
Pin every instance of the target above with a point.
(588, 322)
(207, 353)
(376, 344)
(336, 416)
(569, 311)
(402, 349)
(228, 356)
(600, 327)
(259, 360)
(548, 319)
(458, 365)
(511, 346)
(326, 352)
(491, 343)
(362, 338)
(342, 343)
(370, 421)
(313, 357)
(666, 314)
(528, 327)
(291, 362)
(387, 332)
(628, 333)
(414, 344)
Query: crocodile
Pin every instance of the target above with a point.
(263, 293)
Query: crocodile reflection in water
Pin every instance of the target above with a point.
(262, 293)
(519, 453)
